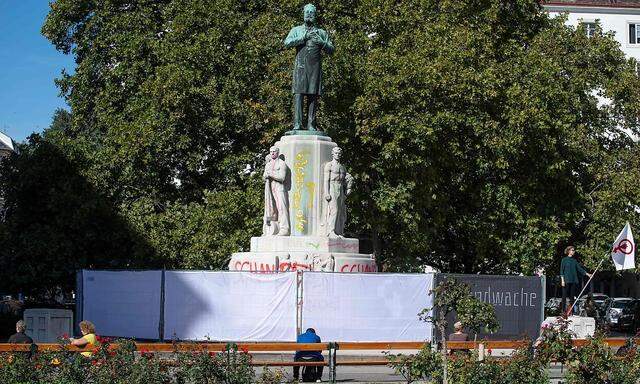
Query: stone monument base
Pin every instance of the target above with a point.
(302, 261)
(303, 253)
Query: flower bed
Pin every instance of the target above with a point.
(123, 365)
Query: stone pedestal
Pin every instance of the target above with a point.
(305, 156)
(308, 247)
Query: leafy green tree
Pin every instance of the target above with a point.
(56, 223)
(482, 136)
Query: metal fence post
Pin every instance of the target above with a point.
(162, 299)
(543, 301)
(299, 303)
(333, 349)
(79, 313)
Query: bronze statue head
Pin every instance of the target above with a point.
(309, 14)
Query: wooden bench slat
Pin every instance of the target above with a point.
(380, 345)
(290, 347)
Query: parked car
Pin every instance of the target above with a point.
(629, 318)
(552, 307)
(602, 302)
(618, 304)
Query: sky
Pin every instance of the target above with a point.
(28, 66)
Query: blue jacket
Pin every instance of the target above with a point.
(308, 337)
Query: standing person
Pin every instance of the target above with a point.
(88, 337)
(569, 271)
(308, 337)
(20, 337)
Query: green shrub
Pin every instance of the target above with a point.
(469, 370)
(556, 342)
(231, 366)
(425, 365)
(524, 368)
(123, 365)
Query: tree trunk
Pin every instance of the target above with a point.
(377, 248)
(445, 368)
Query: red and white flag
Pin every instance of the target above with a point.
(624, 250)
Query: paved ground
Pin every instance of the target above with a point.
(386, 375)
(374, 374)
(354, 375)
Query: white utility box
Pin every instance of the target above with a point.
(47, 325)
(582, 327)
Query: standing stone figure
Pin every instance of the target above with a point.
(309, 42)
(337, 186)
(276, 202)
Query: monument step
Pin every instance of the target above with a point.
(305, 244)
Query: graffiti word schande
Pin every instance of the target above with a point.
(290, 266)
(253, 266)
(359, 268)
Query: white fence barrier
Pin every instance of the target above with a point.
(366, 307)
(123, 303)
(230, 306)
(244, 306)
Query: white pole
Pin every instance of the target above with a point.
(585, 287)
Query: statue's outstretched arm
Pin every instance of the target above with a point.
(294, 38)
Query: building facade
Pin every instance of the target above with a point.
(619, 16)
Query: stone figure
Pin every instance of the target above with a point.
(336, 186)
(324, 265)
(276, 202)
(309, 41)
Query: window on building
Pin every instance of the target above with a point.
(590, 29)
(634, 33)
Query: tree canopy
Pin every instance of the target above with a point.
(475, 131)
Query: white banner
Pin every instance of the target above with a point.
(366, 307)
(123, 303)
(624, 250)
(230, 306)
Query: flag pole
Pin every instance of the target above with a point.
(566, 314)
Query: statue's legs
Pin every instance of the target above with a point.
(342, 215)
(312, 106)
(283, 218)
(270, 218)
(297, 111)
(333, 210)
(282, 205)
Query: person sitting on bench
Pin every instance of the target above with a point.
(308, 337)
(459, 335)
